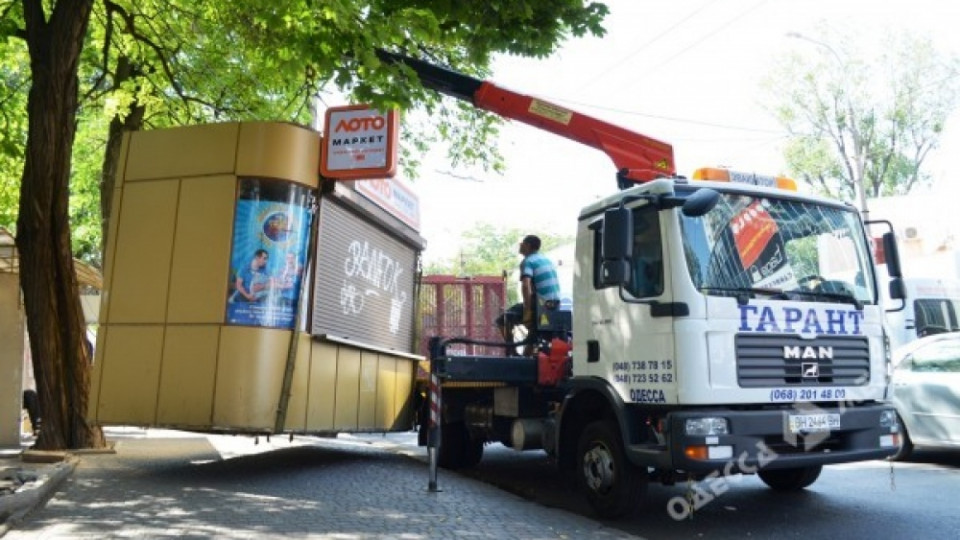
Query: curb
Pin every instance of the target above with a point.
(13, 508)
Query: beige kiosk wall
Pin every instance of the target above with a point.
(164, 355)
(11, 359)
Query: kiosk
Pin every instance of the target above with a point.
(242, 296)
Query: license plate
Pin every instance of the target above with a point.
(813, 422)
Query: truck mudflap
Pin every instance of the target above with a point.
(800, 436)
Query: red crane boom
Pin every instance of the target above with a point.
(638, 158)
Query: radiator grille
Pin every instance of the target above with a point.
(787, 360)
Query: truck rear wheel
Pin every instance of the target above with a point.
(790, 479)
(458, 449)
(612, 485)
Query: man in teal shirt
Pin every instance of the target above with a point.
(538, 278)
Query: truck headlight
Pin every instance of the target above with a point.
(707, 426)
(888, 418)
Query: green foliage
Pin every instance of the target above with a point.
(15, 77)
(210, 61)
(489, 250)
(856, 121)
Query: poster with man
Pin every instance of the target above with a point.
(270, 234)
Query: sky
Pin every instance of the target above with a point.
(686, 72)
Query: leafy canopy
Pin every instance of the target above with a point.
(174, 62)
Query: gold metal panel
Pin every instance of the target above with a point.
(114, 215)
(11, 360)
(405, 386)
(184, 151)
(131, 373)
(279, 150)
(141, 271)
(201, 250)
(99, 351)
(321, 397)
(187, 376)
(297, 406)
(121, 171)
(367, 399)
(348, 389)
(387, 391)
(250, 366)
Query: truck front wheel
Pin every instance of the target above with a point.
(612, 485)
(790, 479)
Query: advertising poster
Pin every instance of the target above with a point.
(270, 234)
(761, 248)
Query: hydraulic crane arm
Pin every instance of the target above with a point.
(637, 158)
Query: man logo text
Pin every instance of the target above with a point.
(807, 353)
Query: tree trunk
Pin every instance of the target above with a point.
(133, 121)
(61, 362)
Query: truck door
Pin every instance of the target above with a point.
(635, 342)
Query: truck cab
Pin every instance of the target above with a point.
(931, 306)
(743, 338)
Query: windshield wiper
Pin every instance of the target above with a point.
(857, 303)
(743, 294)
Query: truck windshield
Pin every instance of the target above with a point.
(778, 248)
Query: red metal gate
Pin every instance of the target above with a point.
(452, 306)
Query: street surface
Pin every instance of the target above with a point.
(168, 484)
(850, 501)
(174, 484)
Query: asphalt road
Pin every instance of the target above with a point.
(869, 500)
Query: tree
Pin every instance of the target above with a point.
(488, 250)
(47, 278)
(862, 127)
(141, 58)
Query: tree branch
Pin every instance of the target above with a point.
(105, 67)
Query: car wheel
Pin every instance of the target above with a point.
(793, 479)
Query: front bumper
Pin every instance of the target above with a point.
(761, 439)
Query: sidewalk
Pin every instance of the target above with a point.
(173, 484)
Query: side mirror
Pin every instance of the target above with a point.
(700, 202)
(898, 290)
(892, 256)
(695, 204)
(617, 248)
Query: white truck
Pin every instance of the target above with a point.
(708, 334)
(931, 306)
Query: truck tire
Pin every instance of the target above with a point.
(613, 486)
(790, 479)
(458, 449)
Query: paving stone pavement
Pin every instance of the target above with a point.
(161, 484)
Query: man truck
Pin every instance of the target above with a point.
(708, 334)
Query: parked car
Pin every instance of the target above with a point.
(926, 392)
